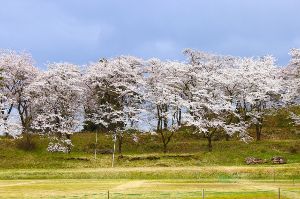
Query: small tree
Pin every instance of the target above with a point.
(7, 125)
(211, 108)
(114, 95)
(164, 96)
(57, 95)
(291, 83)
(259, 90)
(18, 72)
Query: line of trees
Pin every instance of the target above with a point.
(215, 94)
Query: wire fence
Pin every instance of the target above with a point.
(200, 194)
(207, 194)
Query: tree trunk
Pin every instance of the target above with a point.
(179, 118)
(227, 137)
(158, 125)
(29, 140)
(258, 128)
(209, 143)
(165, 148)
(120, 143)
(68, 136)
(113, 155)
(164, 141)
(162, 125)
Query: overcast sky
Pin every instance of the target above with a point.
(80, 31)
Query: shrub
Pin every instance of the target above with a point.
(26, 143)
(293, 149)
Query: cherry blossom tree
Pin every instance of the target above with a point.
(165, 97)
(216, 94)
(57, 95)
(254, 86)
(291, 76)
(18, 72)
(114, 94)
(291, 83)
(260, 90)
(8, 125)
(210, 104)
(2, 103)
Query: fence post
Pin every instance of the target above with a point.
(95, 152)
(108, 194)
(278, 193)
(274, 175)
(113, 155)
(202, 193)
(293, 181)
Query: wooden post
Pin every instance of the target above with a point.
(96, 145)
(278, 193)
(113, 155)
(108, 194)
(202, 193)
(274, 175)
(293, 181)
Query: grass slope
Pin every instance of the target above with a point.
(144, 172)
(182, 152)
(221, 173)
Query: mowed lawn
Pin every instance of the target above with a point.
(144, 172)
(152, 182)
(124, 188)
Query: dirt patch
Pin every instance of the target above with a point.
(135, 158)
(182, 156)
(78, 158)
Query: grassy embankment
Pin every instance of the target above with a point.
(145, 172)
(226, 159)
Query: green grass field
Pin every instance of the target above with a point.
(124, 188)
(145, 172)
(183, 150)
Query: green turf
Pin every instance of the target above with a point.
(145, 172)
(220, 173)
(79, 188)
(183, 151)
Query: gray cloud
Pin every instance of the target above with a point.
(82, 31)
